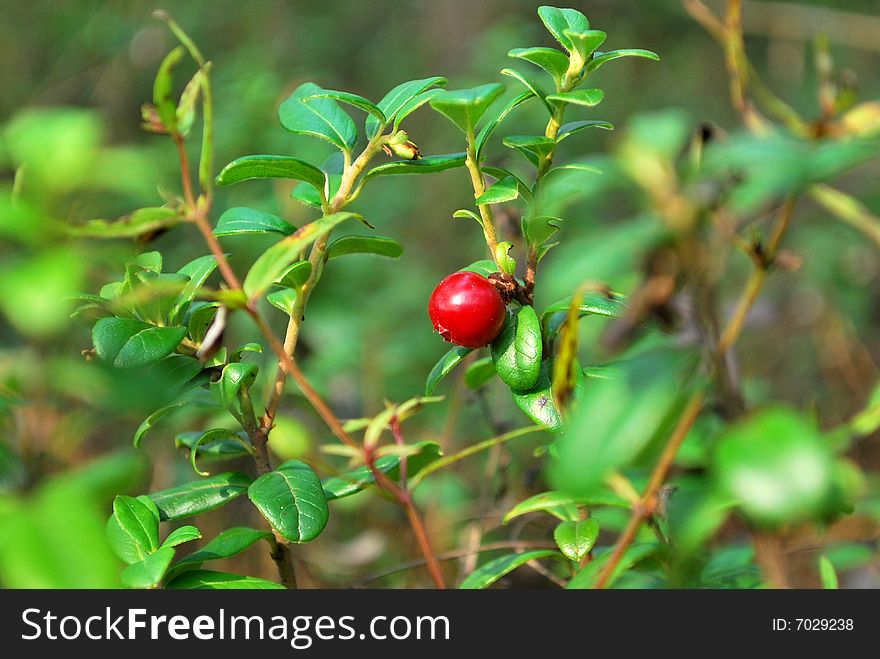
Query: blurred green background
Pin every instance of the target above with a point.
(74, 77)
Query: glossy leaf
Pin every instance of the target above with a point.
(275, 260)
(296, 275)
(283, 299)
(483, 267)
(507, 189)
(538, 229)
(321, 117)
(129, 343)
(490, 572)
(356, 480)
(576, 539)
(211, 580)
(517, 350)
(538, 402)
(469, 214)
(235, 383)
(551, 60)
(379, 245)
(490, 125)
(181, 535)
(562, 505)
(584, 43)
(828, 574)
(148, 573)
(584, 97)
(248, 168)
(308, 195)
(601, 58)
(216, 446)
(350, 99)
(569, 129)
(425, 165)
(444, 367)
(239, 220)
(226, 544)
(199, 496)
(133, 529)
(414, 104)
(189, 98)
(557, 21)
(591, 303)
(151, 420)
(292, 501)
(531, 85)
(465, 107)
(534, 148)
(399, 98)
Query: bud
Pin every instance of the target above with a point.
(400, 145)
(152, 122)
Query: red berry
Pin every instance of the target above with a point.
(467, 309)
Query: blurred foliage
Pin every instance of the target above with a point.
(75, 76)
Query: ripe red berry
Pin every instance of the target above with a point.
(467, 309)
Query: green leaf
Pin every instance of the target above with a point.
(133, 529)
(186, 107)
(426, 165)
(199, 496)
(283, 299)
(600, 58)
(238, 221)
(296, 275)
(464, 107)
(584, 43)
(235, 383)
(562, 505)
(181, 535)
(531, 85)
(308, 195)
(573, 127)
(576, 539)
(591, 303)
(151, 420)
(198, 270)
(321, 118)
(398, 99)
(517, 350)
(827, 573)
(465, 213)
(148, 573)
(211, 580)
(490, 126)
(275, 260)
(776, 465)
(444, 366)
(479, 373)
(538, 229)
(538, 402)
(585, 97)
(129, 343)
(414, 104)
(379, 245)
(248, 168)
(163, 86)
(507, 189)
(200, 319)
(356, 480)
(587, 577)
(533, 148)
(551, 60)
(557, 21)
(144, 220)
(292, 501)
(217, 446)
(490, 572)
(226, 544)
(483, 267)
(350, 99)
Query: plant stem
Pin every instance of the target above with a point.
(479, 185)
